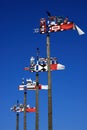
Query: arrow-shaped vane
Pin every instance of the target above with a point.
(79, 30)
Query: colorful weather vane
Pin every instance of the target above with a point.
(42, 65)
(31, 85)
(20, 108)
(56, 24)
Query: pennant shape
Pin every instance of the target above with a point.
(80, 32)
(60, 67)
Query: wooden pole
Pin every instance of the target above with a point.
(37, 94)
(49, 85)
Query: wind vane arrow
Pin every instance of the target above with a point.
(79, 30)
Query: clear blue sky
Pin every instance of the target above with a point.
(18, 43)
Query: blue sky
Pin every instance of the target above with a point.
(18, 43)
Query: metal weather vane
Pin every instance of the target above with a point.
(42, 64)
(56, 24)
(20, 108)
(31, 85)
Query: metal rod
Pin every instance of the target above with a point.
(25, 96)
(17, 121)
(37, 94)
(37, 104)
(49, 85)
(17, 117)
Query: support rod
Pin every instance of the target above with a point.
(17, 117)
(37, 93)
(49, 85)
(17, 121)
(25, 96)
(37, 104)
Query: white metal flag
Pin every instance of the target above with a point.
(80, 32)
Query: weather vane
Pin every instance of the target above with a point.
(41, 64)
(31, 85)
(49, 25)
(56, 24)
